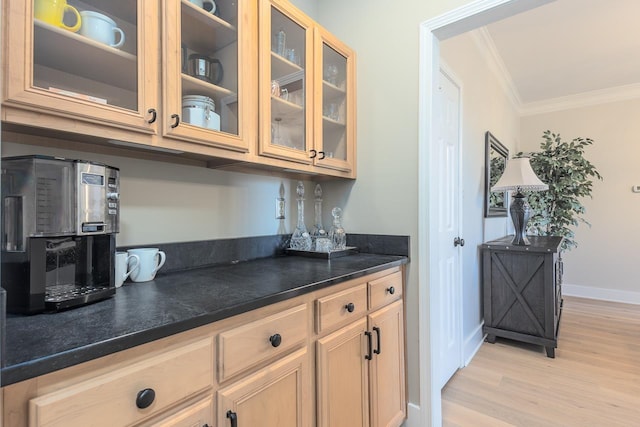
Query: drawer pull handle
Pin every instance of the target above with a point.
(391, 290)
(368, 356)
(314, 154)
(377, 350)
(275, 339)
(350, 307)
(233, 417)
(145, 398)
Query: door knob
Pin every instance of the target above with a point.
(458, 241)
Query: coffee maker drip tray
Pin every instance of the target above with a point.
(60, 297)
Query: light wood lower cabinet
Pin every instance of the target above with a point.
(343, 377)
(276, 396)
(361, 372)
(387, 367)
(265, 368)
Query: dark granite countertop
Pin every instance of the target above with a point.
(172, 303)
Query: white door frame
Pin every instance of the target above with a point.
(457, 21)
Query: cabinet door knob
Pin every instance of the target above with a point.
(275, 339)
(233, 417)
(350, 307)
(377, 330)
(176, 120)
(313, 155)
(145, 398)
(391, 290)
(458, 241)
(368, 356)
(321, 155)
(154, 115)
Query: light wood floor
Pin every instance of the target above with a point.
(593, 381)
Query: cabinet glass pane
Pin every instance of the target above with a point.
(87, 50)
(334, 97)
(287, 82)
(209, 58)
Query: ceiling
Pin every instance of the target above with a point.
(570, 47)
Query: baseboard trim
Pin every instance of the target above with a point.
(472, 343)
(413, 416)
(590, 292)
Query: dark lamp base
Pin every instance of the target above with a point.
(520, 214)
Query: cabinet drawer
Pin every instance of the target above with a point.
(385, 290)
(263, 339)
(112, 399)
(344, 306)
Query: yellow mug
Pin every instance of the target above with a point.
(52, 12)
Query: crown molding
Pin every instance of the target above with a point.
(488, 49)
(585, 99)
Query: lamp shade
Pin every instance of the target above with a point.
(518, 175)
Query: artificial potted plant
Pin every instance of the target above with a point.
(563, 167)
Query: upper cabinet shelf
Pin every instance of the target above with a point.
(202, 30)
(63, 50)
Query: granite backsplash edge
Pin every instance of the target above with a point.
(203, 253)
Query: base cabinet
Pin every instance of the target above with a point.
(275, 396)
(522, 290)
(343, 377)
(361, 372)
(348, 371)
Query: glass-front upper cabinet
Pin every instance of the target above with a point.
(208, 82)
(285, 82)
(335, 109)
(83, 59)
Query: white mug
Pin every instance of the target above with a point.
(208, 5)
(151, 259)
(101, 28)
(125, 265)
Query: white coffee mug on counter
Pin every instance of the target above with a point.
(151, 260)
(101, 28)
(125, 265)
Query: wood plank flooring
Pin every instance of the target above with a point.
(593, 381)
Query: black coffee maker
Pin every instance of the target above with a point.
(59, 219)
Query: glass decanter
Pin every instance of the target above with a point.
(301, 239)
(319, 236)
(337, 234)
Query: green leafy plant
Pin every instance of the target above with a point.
(563, 167)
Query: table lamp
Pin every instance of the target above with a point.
(519, 176)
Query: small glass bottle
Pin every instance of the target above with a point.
(301, 239)
(319, 236)
(337, 234)
(281, 41)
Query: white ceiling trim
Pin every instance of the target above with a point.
(585, 99)
(493, 59)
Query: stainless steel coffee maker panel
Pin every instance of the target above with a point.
(97, 206)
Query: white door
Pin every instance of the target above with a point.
(448, 198)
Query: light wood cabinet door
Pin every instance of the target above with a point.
(334, 103)
(276, 396)
(285, 82)
(209, 69)
(388, 401)
(57, 71)
(343, 377)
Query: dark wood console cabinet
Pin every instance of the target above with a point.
(523, 290)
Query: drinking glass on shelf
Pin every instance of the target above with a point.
(331, 74)
(332, 111)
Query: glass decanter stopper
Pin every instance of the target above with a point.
(337, 234)
(319, 236)
(301, 239)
